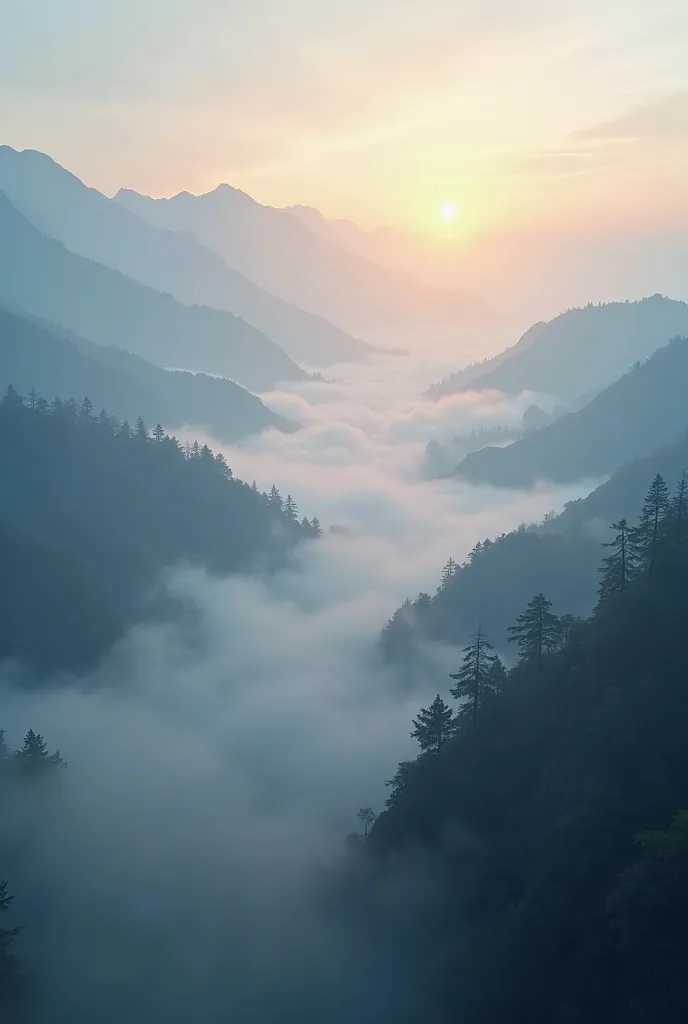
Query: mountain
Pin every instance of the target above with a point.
(460, 380)
(37, 355)
(580, 351)
(644, 410)
(559, 557)
(278, 251)
(38, 274)
(127, 505)
(88, 223)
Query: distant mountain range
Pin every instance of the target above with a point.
(644, 410)
(277, 250)
(41, 356)
(91, 225)
(40, 275)
(578, 353)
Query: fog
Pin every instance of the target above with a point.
(214, 772)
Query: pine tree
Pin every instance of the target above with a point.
(275, 499)
(124, 430)
(86, 408)
(33, 759)
(434, 726)
(646, 536)
(158, 433)
(618, 568)
(497, 676)
(677, 526)
(471, 679)
(448, 572)
(316, 528)
(290, 509)
(536, 631)
(33, 399)
(366, 818)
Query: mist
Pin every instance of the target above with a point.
(215, 770)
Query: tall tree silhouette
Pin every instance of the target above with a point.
(678, 517)
(647, 534)
(366, 818)
(433, 726)
(33, 759)
(536, 631)
(619, 567)
(448, 572)
(472, 677)
(497, 676)
(290, 509)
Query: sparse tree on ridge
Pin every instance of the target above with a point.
(290, 509)
(448, 572)
(366, 818)
(536, 631)
(471, 679)
(433, 726)
(618, 568)
(86, 408)
(33, 760)
(275, 499)
(316, 528)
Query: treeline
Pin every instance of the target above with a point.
(98, 508)
(556, 799)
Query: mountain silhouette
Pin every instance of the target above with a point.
(644, 410)
(41, 276)
(90, 224)
(277, 249)
(579, 352)
(41, 356)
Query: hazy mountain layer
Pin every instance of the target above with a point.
(579, 352)
(37, 355)
(40, 275)
(90, 224)
(642, 411)
(278, 251)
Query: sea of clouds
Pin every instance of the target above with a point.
(211, 780)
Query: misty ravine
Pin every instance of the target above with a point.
(186, 865)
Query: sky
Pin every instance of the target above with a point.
(526, 115)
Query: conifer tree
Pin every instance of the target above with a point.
(536, 631)
(290, 509)
(497, 676)
(433, 726)
(158, 433)
(33, 399)
(275, 498)
(677, 526)
(448, 571)
(618, 568)
(366, 818)
(33, 760)
(471, 679)
(316, 528)
(646, 536)
(86, 408)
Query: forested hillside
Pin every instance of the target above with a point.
(558, 557)
(552, 799)
(39, 275)
(34, 354)
(93, 509)
(643, 411)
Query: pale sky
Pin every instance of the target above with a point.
(521, 112)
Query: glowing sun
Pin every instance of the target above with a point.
(448, 212)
